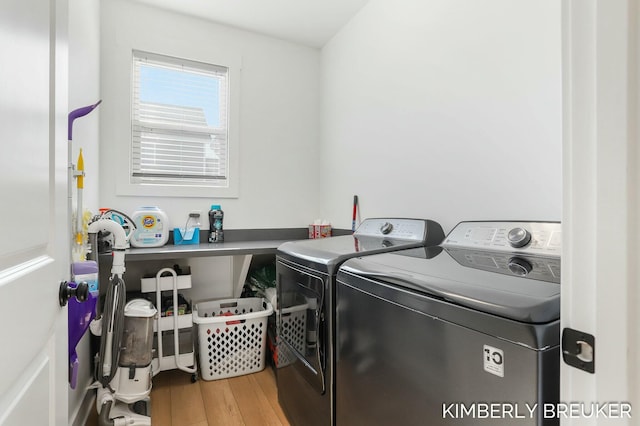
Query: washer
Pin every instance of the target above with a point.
(305, 277)
(467, 333)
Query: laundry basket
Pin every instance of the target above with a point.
(292, 328)
(232, 336)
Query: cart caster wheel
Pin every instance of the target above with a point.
(194, 378)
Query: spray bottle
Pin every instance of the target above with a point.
(216, 232)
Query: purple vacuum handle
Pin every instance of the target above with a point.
(77, 113)
(74, 365)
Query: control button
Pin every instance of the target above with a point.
(519, 237)
(386, 228)
(519, 266)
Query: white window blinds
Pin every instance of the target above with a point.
(179, 126)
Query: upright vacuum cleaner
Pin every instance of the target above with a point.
(123, 370)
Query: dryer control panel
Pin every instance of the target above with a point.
(386, 230)
(535, 238)
(405, 229)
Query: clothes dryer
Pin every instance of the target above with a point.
(305, 278)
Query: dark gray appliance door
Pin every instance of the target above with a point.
(397, 364)
(302, 376)
(298, 288)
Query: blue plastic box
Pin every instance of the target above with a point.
(191, 236)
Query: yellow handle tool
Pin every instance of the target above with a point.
(80, 186)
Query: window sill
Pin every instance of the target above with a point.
(142, 190)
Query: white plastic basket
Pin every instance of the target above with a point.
(232, 336)
(292, 328)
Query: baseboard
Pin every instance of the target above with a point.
(85, 408)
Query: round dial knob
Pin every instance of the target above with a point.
(519, 266)
(386, 228)
(519, 237)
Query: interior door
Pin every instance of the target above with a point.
(33, 246)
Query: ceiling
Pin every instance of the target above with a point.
(308, 22)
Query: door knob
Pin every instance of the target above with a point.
(70, 289)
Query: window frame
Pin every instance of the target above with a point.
(126, 184)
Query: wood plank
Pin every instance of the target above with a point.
(267, 381)
(253, 403)
(250, 400)
(187, 406)
(161, 405)
(92, 420)
(220, 404)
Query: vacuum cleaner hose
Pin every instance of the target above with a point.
(112, 327)
(104, 419)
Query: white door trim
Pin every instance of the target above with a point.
(600, 199)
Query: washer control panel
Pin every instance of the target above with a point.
(405, 229)
(540, 268)
(536, 238)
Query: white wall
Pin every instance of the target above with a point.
(84, 89)
(279, 115)
(446, 109)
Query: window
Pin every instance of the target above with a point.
(179, 126)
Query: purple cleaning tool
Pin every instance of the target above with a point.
(80, 314)
(77, 113)
(74, 366)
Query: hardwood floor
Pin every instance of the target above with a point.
(250, 400)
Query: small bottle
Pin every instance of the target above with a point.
(216, 231)
(86, 271)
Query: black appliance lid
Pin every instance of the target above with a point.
(335, 250)
(516, 286)
(374, 235)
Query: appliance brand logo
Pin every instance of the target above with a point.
(493, 360)
(148, 221)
